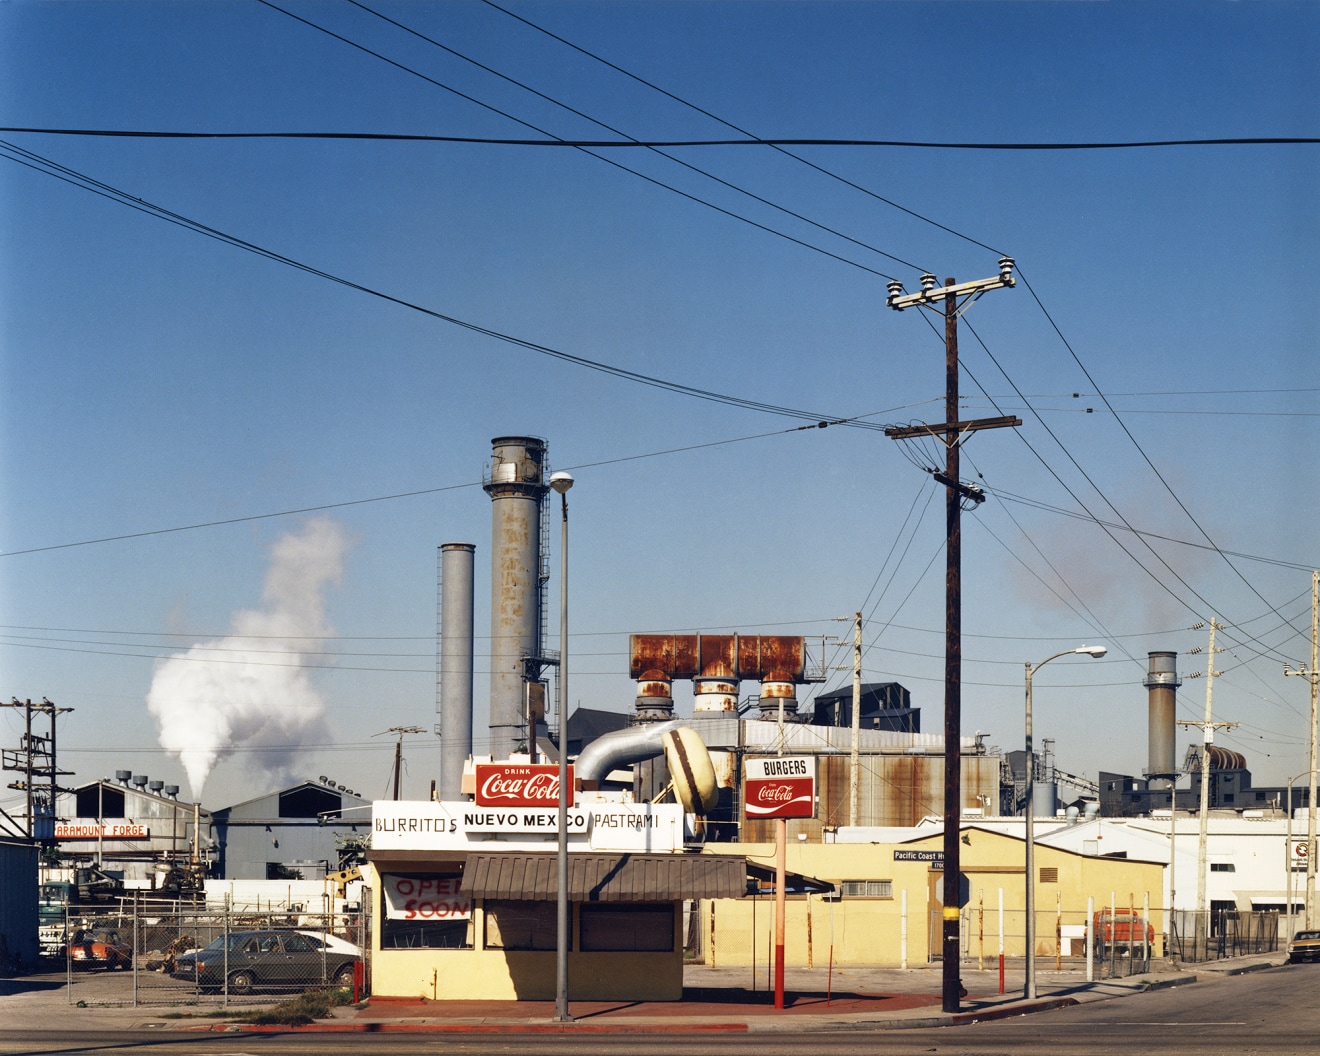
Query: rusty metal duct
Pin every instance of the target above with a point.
(778, 691)
(737, 656)
(1162, 685)
(456, 634)
(517, 489)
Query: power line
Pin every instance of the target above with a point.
(646, 144)
(527, 124)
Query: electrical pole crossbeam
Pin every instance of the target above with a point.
(929, 293)
(953, 429)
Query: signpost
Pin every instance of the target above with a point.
(782, 787)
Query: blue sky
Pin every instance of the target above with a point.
(154, 379)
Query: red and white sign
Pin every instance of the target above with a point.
(425, 898)
(780, 787)
(520, 785)
(79, 830)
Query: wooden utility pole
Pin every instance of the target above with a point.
(1207, 739)
(951, 432)
(398, 755)
(36, 761)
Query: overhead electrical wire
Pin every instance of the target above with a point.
(647, 144)
(596, 121)
(608, 161)
(1214, 546)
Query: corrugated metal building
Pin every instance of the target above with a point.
(18, 904)
(297, 832)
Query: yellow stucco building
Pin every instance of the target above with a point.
(886, 906)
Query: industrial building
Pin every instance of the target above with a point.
(130, 833)
(298, 833)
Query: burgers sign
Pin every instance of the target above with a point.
(780, 787)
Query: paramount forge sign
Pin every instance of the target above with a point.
(519, 785)
(780, 787)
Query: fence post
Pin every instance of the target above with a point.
(1145, 926)
(224, 993)
(903, 932)
(68, 953)
(1090, 938)
(980, 930)
(137, 948)
(1058, 931)
(1001, 940)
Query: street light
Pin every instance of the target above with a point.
(1287, 858)
(1096, 651)
(561, 482)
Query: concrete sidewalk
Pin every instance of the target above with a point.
(715, 1000)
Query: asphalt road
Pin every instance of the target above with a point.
(1272, 1012)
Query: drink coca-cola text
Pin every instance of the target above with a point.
(518, 785)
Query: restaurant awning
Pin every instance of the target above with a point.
(606, 877)
(761, 881)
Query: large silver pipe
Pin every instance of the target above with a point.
(620, 747)
(456, 634)
(517, 489)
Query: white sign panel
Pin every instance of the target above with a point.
(484, 819)
(425, 898)
(424, 825)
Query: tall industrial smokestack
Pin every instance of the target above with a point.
(1162, 684)
(456, 594)
(517, 490)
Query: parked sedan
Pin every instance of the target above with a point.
(99, 948)
(1305, 946)
(277, 959)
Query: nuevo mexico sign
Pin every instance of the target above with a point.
(780, 787)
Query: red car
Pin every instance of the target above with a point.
(99, 948)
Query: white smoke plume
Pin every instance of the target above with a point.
(250, 688)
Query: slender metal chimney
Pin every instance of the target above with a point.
(456, 632)
(517, 490)
(1162, 684)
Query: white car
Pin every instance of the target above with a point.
(333, 943)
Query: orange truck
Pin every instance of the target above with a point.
(1122, 929)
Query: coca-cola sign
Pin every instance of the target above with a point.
(519, 785)
(782, 787)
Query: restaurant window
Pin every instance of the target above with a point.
(866, 888)
(520, 925)
(424, 911)
(627, 927)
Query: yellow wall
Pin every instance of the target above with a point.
(521, 975)
(857, 931)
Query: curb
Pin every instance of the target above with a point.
(477, 1028)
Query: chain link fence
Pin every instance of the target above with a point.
(1217, 934)
(194, 955)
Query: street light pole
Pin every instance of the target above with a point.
(1312, 675)
(561, 482)
(1096, 651)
